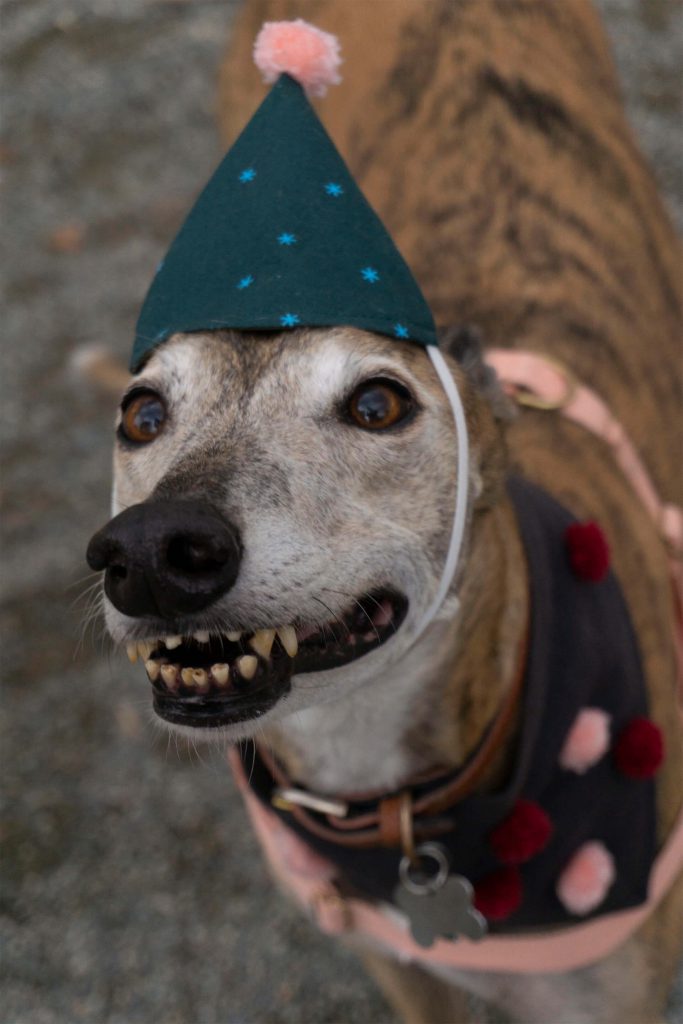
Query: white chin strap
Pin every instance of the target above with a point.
(461, 487)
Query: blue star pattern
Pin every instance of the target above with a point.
(286, 238)
(401, 331)
(369, 274)
(333, 188)
(248, 174)
(245, 282)
(289, 320)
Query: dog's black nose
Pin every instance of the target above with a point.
(166, 558)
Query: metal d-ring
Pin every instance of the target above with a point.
(424, 883)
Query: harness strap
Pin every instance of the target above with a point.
(539, 382)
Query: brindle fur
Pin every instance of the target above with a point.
(490, 136)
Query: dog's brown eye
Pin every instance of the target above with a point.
(143, 418)
(378, 404)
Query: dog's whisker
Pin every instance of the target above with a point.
(368, 597)
(91, 616)
(82, 579)
(334, 616)
(86, 594)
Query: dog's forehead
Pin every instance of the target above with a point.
(320, 361)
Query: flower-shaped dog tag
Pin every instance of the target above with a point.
(440, 906)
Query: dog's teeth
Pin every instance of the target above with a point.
(152, 669)
(201, 636)
(262, 641)
(287, 635)
(187, 676)
(234, 636)
(220, 674)
(169, 674)
(132, 652)
(247, 665)
(145, 649)
(172, 642)
(201, 678)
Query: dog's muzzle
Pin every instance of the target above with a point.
(164, 559)
(163, 563)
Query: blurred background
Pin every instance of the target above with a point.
(132, 888)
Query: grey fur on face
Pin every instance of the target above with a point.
(326, 511)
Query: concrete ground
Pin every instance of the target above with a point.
(132, 889)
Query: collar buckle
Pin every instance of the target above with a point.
(286, 798)
(548, 384)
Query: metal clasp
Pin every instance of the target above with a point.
(532, 400)
(286, 798)
(414, 875)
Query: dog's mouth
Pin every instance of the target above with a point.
(215, 679)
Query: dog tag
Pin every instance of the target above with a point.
(440, 905)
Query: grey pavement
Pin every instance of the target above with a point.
(132, 889)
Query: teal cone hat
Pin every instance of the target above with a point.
(282, 237)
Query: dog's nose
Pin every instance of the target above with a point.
(166, 558)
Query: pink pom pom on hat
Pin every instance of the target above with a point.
(587, 741)
(298, 49)
(583, 884)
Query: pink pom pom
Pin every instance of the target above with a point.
(587, 741)
(303, 51)
(584, 882)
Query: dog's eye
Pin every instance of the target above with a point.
(143, 417)
(379, 403)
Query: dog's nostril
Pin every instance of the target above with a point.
(191, 554)
(166, 558)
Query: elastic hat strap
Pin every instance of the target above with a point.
(462, 479)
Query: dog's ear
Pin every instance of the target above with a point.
(464, 343)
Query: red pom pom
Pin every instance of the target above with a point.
(639, 749)
(499, 894)
(588, 551)
(524, 833)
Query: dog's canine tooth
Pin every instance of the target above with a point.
(187, 676)
(201, 636)
(132, 652)
(234, 636)
(169, 674)
(220, 674)
(201, 678)
(145, 649)
(152, 668)
(172, 642)
(262, 642)
(287, 635)
(247, 665)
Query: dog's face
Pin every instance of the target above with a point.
(301, 483)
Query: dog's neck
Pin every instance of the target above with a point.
(431, 709)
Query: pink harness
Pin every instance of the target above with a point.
(541, 383)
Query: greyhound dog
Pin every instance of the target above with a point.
(283, 501)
